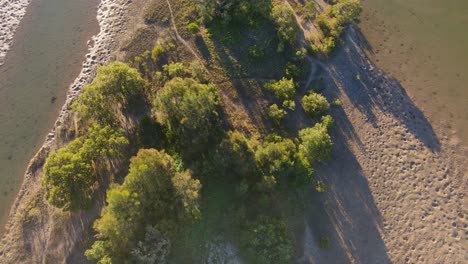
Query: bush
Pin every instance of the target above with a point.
(175, 69)
(316, 143)
(276, 157)
(324, 242)
(193, 28)
(255, 53)
(276, 114)
(283, 89)
(315, 104)
(309, 10)
(289, 104)
(267, 241)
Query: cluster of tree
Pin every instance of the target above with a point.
(286, 24)
(144, 212)
(332, 23)
(71, 173)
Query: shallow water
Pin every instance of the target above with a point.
(424, 44)
(46, 56)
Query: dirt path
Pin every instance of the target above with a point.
(182, 40)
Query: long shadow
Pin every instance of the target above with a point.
(369, 88)
(346, 214)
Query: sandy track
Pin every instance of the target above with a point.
(397, 188)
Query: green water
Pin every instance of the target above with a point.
(424, 44)
(46, 56)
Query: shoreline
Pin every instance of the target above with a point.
(110, 16)
(34, 76)
(10, 18)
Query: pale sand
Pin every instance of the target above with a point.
(52, 235)
(11, 13)
(397, 185)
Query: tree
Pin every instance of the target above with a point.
(115, 84)
(315, 104)
(153, 194)
(188, 109)
(268, 242)
(70, 173)
(316, 143)
(286, 24)
(283, 89)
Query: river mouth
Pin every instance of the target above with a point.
(423, 44)
(46, 56)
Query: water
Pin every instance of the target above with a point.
(46, 56)
(424, 44)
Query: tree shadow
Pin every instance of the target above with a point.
(370, 89)
(346, 214)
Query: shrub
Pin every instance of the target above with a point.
(175, 69)
(276, 157)
(193, 28)
(309, 10)
(324, 242)
(283, 89)
(276, 114)
(255, 53)
(316, 143)
(315, 104)
(289, 104)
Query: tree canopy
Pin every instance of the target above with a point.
(315, 104)
(115, 84)
(188, 109)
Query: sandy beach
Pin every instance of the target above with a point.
(397, 183)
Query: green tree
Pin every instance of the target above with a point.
(115, 84)
(153, 194)
(315, 104)
(188, 109)
(316, 143)
(70, 173)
